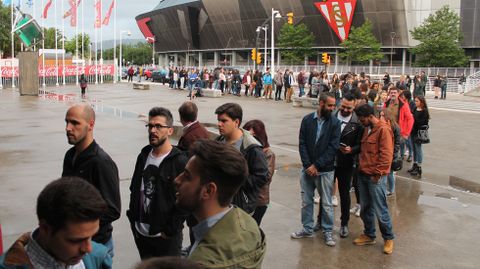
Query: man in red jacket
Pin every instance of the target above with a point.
(192, 129)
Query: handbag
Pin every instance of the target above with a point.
(422, 137)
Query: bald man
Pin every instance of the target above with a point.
(86, 159)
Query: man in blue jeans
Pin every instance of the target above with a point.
(376, 154)
(319, 141)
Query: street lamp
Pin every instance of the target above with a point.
(121, 56)
(275, 15)
(392, 36)
(264, 28)
(152, 39)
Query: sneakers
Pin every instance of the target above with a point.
(301, 234)
(344, 232)
(329, 240)
(355, 210)
(317, 227)
(334, 201)
(389, 193)
(409, 159)
(388, 247)
(363, 240)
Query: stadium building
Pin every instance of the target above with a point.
(223, 32)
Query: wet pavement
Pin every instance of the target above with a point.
(436, 224)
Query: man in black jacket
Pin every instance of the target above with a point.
(155, 221)
(350, 138)
(86, 159)
(229, 118)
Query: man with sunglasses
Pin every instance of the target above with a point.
(155, 221)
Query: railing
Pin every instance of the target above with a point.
(473, 82)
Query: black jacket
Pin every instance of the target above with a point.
(95, 165)
(257, 172)
(350, 136)
(321, 153)
(165, 216)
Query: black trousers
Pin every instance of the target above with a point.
(156, 246)
(259, 213)
(344, 177)
(278, 93)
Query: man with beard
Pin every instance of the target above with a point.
(225, 236)
(376, 156)
(351, 134)
(319, 140)
(86, 159)
(155, 221)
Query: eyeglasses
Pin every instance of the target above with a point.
(157, 126)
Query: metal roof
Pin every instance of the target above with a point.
(171, 3)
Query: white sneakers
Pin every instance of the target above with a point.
(355, 210)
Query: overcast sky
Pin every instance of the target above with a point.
(126, 12)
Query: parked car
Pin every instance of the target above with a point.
(160, 75)
(124, 73)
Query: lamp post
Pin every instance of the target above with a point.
(392, 36)
(275, 15)
(121, 56)
(152, 39)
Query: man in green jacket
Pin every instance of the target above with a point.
(68, 211)
(225, 236)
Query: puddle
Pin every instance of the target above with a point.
(450, 203)
(464, 184)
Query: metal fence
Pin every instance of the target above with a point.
(52, 81)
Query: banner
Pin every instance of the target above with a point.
(98, 14)
(106, 20)
(45, 9)
(69, 12)
(339, 15)
(70, 70)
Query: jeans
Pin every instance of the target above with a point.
(417, 153)
(443, 94)
(324, 185)
(109, 246)
(302, 90)
(406, 143)
(391, 182)
(374, 203)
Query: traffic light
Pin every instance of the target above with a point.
(254, 54)
(324, 57)
(290, 18)
(259, 58)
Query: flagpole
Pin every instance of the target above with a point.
(101, 42)
(13, 45)
(34, 16)
(83, 37)
(63, 43)
(115, 69)
(43, 47)
(56, 45)
(76, 40)
(96, 43)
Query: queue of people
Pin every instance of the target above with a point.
(221, 186)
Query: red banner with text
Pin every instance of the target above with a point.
(69, 70)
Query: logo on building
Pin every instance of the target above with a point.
(339, 14)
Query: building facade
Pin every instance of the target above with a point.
(223, 32)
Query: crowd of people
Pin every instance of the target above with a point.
(360, 132)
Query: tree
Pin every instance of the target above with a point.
(440, 38)
(71, 45)
(5, 30)
(49, 37)
(361, 45)
(296, 42)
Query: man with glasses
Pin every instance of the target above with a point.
(155, 221)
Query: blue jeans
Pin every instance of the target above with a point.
(374, 203)
(417, 153)
(109, 246)
(302, 90)
(406, 143)
(391, 182)
(324, 185)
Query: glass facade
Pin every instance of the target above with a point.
(186, 25)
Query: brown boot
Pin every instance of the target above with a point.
(388, 247)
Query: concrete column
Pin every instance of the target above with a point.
(215, 58)
(404, 60)
(167, 60)
(305, 62)
(200, 59)
(234, 58)
(175, 59)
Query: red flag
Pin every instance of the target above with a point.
(69, 12)
(106, 20)
(98, 14)
(45, 9)
(73, 12)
